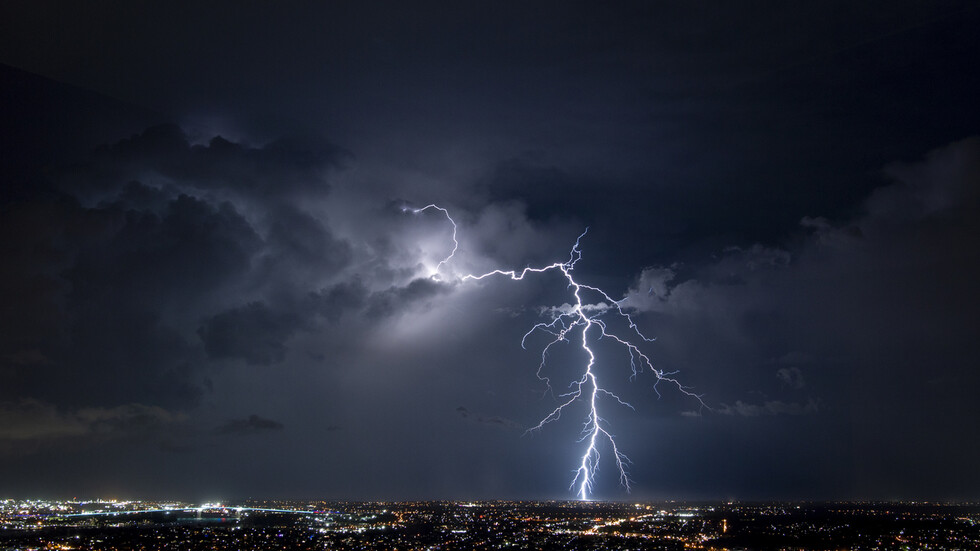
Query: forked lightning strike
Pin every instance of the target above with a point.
(587, 387)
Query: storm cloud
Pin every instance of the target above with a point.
(208, 231)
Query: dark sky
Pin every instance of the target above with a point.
(208, 289)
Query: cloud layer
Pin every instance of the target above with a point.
(757, 184)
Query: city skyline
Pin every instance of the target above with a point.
(220, 278)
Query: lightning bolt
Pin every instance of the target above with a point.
(435, 273)
(586, 319)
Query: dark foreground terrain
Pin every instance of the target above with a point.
(108, 525)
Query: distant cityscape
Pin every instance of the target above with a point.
(448, 525)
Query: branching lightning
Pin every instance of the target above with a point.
(587, 319)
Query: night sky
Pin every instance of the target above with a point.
(209, 288)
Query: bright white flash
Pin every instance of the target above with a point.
(586, 319)
(435, 273)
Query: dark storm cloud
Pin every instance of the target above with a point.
(162, 257)
(394, 299)
(726, 158)
(252, 425)
(146, 253)
(129, 251)
(257, 333)
(270, 171)
(123, 283)
(922, 220)
(300, 248)
(98, 320)
(331, 303)
(253, 333)
(855, 304)
(33, 420)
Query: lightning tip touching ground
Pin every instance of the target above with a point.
(587, 387)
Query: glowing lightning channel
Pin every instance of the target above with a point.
(435, 273)
(585, 317)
